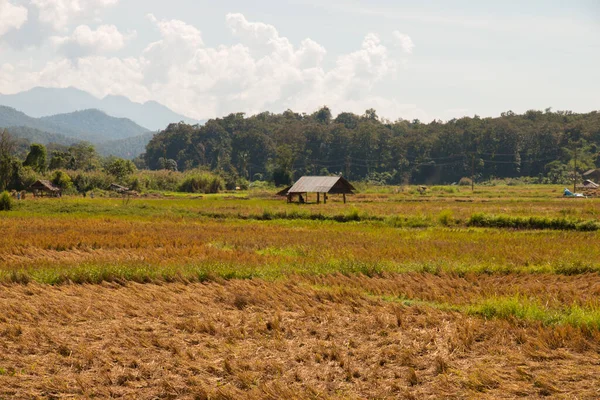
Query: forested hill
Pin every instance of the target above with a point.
(284, 146)
(97, 125)
(91, 125)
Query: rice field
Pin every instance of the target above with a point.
(394, 295)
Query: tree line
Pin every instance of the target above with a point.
(22, 164)
(79, 169)
(228, 152)
(543, 145)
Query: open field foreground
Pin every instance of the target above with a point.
(255, 339)
(451, 294)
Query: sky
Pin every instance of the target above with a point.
(426, 60)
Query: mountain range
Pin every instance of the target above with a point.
(112, 136)
(42, 102)
(91, 125)
(114, 124)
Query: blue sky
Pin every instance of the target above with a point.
(407, 59)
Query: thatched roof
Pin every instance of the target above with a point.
(284, 192)
(587, 184)
(322, 184)
(118, 188)
(44, 185)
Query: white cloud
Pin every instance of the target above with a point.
(176, 31)
(84, 40)
(178, 46)
(258, 31)
(404, 41)
(265, 71)
(11, 16)
(60, 13)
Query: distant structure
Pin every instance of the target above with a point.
(593, 175)
(589, 188)
(588, 184)
(44, 187)
(324, 185)
(118, 188)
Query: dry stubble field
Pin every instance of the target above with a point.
(395, 295)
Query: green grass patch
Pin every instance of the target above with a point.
(523, 308)
(515, 222)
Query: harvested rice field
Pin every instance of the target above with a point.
(451, 294)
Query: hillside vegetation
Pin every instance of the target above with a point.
(90, 125)
(118, 137)
(97, 124)
(282, 147)
(127, 148)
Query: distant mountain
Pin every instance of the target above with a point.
(33, 135)
(91, 125)
(120, 137)
(95, 124)
(41, 102)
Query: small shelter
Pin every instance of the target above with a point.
(592, 175)
(588, 184)
(118, 188)
(44, 187)
(320, 185)
(589, 188)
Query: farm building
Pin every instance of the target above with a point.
(589, 188)
(44, 187)
(588, 184)
(592, 175)
(324, 185)
(118, 188)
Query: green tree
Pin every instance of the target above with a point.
(7, 147)
(283, 173)
(83, 157)
(62, 180)
(61, 160)
(36, 159)
(119, 167)
(323, 115)
(371, 114)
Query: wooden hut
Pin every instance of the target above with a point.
(44, 187)
(118, 188)
(589, 188)
(321, 185)
(593, 175)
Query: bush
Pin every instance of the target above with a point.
(86, 181)
(62, 180)
(6, 202)
(26, 177)
(201, 182)
(464, 181)
(157, 180)
(446, 217)
(242, 183)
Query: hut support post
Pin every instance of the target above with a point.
(344, 194)
(324, 198)
(318, 198)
